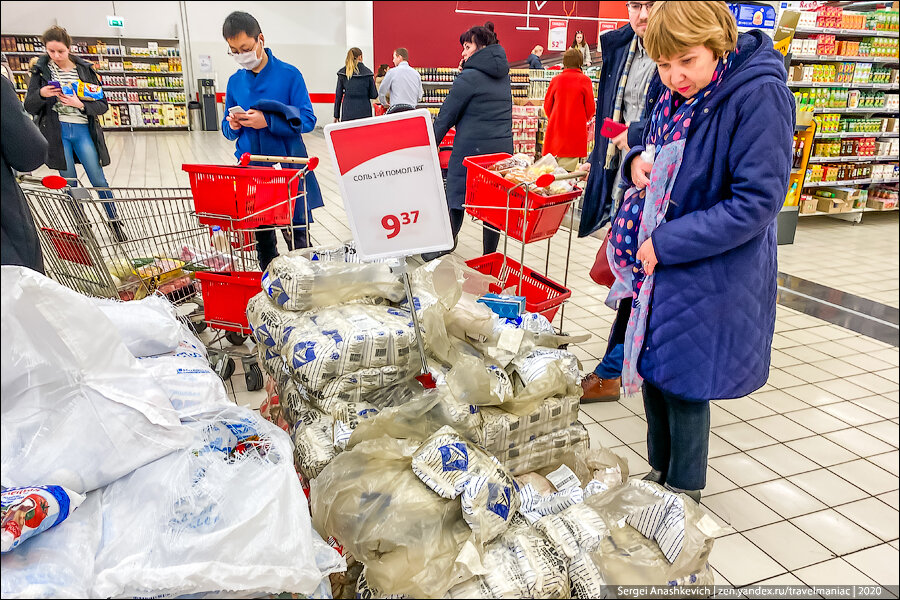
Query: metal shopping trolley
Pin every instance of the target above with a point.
(233, 202)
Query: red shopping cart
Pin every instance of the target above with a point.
(520, 212)
(240, 200)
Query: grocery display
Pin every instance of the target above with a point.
(844, 73)
(142, 80)
(436, 83)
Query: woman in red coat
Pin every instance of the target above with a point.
(569, 106)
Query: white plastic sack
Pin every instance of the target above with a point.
(77, 408)
(227, 514)
(147, 326)
(59, 563)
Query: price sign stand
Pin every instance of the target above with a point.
(390, 180)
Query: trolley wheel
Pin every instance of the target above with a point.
(229, 369)
(235, 338)
(198, 326)
(254, 378)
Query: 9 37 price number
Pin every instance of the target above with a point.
(393, 224)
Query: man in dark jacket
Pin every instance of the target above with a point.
(24, 149)
(629, 85)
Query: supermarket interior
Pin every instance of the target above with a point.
(375, 411)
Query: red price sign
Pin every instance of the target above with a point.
(389, 175)
(393, 224)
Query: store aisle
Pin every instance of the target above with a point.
(805, 470)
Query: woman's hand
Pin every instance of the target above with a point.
(621, 142)
(50, 91)
(233, 123)
(586, 167)
(647, 255)
(640, 171)
(254, 119)
(73, 101)
(336, 120)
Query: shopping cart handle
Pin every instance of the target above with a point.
(548, 178)
(311, 163)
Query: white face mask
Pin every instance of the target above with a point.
(247, 60)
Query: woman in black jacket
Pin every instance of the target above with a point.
(479, 105)
(70, 122)
(355, 89)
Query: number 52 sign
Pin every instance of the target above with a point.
(390, 179)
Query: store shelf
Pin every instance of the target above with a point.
(839, 159)
(854, 211)
(145, 127)
(848, 183)
(855, 134)
(848, 32)
(834, 58)
(851, 86)
(146, 73)
(149, 102)
(853, 111)
(144, 89)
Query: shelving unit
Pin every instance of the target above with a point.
(878, 48)
(130, 107)
(446, 77)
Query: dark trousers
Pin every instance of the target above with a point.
(490, 237)
(267, 243)
(611, 365)
(677, 438)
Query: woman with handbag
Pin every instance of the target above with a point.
(694, 244)
(69, 120)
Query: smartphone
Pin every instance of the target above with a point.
(611, 129)
(236, 110)
(55, 84)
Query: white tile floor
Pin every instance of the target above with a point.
(805, 470)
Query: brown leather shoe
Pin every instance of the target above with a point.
(599, 390)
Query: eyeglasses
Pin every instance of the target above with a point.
(636, 7)
(230, 52)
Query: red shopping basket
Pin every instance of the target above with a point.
(243, 197)
(445, 148)
(488, 189)
(541, 295)
(225, 297)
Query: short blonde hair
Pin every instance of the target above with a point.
(676, 26)
(537, 49)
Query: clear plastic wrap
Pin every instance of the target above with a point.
(504, 430)
(78, 410)
(225, 515)
(294, 282)
(559, 447)
(340, 340)
(408, 537)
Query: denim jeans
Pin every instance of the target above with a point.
(677, 438)
(77, 141)
(611, 365)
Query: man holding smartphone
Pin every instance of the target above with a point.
(268, 109)
(629, 85)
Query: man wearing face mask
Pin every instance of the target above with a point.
(277, 110)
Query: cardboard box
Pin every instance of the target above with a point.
(832, 206)
(809, 206)
(881, 204)
(845, 194)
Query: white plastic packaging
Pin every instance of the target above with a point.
(147, 326)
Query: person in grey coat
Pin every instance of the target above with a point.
(355, 89)
(479, 105)
(24, 149)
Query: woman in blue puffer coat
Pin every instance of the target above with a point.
(693, 243)
(479, 105)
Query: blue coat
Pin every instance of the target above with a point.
(598, 190)
(712, 312)
(534, 62)
(480, 106)
(280, 92)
